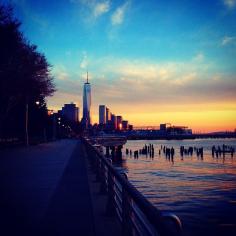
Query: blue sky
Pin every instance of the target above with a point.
(136, 51)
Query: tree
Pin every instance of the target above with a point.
(24, 72)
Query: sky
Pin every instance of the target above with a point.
(150, 61)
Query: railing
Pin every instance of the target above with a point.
(136, 214)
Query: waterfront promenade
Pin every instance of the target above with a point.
(49, 190)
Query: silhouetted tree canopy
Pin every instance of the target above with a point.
(24, 72)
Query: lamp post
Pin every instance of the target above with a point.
(26, 123)
(44, 128)
(59, 127)
(54, 125)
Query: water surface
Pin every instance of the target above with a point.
(201, 191)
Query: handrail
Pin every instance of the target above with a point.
(157, 220)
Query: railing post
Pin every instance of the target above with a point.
(92, 158)
(97, 164)
(102, 174)
(110, 209)
(126, 214)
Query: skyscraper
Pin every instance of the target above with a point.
(86, 120)
(102, 114)
(114, 121)
(108, 115)
(119, 122)
(70, 112)
(125, 124)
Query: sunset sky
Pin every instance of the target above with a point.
(151, 61)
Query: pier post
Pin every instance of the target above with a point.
(119, 153)
(107, 151)
(113, 152)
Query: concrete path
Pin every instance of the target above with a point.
(45, 191)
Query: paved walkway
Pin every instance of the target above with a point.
(45, 191)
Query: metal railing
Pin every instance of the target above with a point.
(136, 214)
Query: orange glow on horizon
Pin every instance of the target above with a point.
(198, 121)
(198, 117)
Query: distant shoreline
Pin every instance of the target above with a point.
(182, 137)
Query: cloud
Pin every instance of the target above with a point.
(60, 72)
(144, 73)
(61, 97)
(230, 4)
(101, 8)
(228, 40)
(185, 79)
(199, 57)
(84, 61)
(137, 82)
(117, 17)
(92, 9)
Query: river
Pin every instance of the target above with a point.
(200, 190)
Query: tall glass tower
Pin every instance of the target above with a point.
(86, 120)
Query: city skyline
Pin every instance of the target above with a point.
(153, 62)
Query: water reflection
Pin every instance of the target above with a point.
(192, 182)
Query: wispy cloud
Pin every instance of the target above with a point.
(101, 8)
(228, 40)
(230, 4)
(199, 57)
(125, 81)
(56, 102)
(60, 72)
(84, 61)
(145, 73)
(93, 9)
(134, 82)
(118, 16)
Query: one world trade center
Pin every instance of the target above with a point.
(86, 120)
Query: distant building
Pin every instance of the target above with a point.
(163, 127)
(131, 127)
(86, 120)
(114, 120)
(119, 122)
(174, 130)
(102, 114)
(111, 122)
(108, 115)
(124, 124)
(178, 130)
(70, 112)
(109, 125)
(59, 113)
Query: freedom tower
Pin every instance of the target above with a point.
(86, 120)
